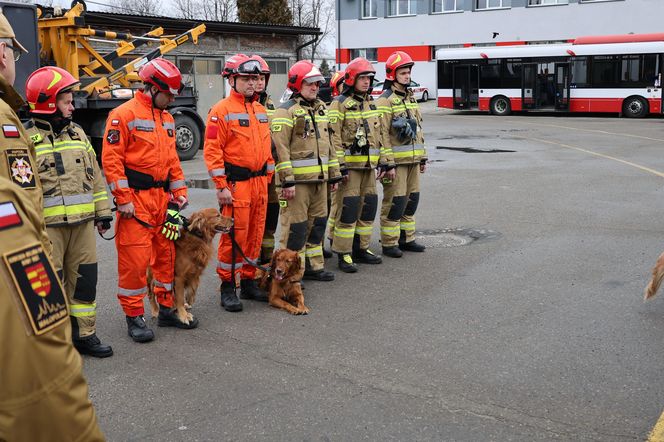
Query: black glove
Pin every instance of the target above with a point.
(105, 223)
(403, 128)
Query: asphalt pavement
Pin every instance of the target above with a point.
(522, 321)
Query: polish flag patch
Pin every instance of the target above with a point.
(115, 122)
(9, 217)
(10, 131)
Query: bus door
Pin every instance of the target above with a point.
(466, 86)
(529, 86)
(562, 86)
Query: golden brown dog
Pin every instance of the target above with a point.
(193, 251)
(656, 280)
(283, 282)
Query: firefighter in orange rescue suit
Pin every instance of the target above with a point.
(75, 199)
(144, 174)
(238, 156)
(272, 216)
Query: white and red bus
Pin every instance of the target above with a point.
(620, 74)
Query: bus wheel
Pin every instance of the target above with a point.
(501, 106)
(635, 107)
(187, 136)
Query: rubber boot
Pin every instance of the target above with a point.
(346, 263)
(392, 252)
(411, 246)
(91, 345)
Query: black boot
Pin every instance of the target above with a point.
(229, 299)
(412, 246)
(168, 318)
(250, 290)
(91, 345)
(138, 329)
(346, 263)
(392, 252)
(318, 275)
(367, 257)
(327, 254)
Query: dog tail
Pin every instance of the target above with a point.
(656, 280)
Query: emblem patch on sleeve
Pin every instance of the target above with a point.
(211, 131)
(38, 288)
(170, 132)
(113, 136)
(21, 168)
(276, 128)
(9, 216)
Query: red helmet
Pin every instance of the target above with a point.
(43, 87)
(398, 59)
(358, 66)
(336, 81)
(265, 68)
(162, 74)
(303, 71)
(240, 64)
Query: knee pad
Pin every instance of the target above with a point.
(398, 207)
(272, 217)
(413, 201)
(369, 207)
(297, 235)
(317, 230)
(350, 209)
(86, 283)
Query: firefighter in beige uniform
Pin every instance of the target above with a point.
(402, 116)
(306, 163)
(75, 199)
(357, 136)
(17, 153)
(43, 394)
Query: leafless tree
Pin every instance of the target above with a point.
(217, 10)
(137, 7)
(317, 14)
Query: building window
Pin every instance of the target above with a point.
(207, 67)
(547, 2)
(370, 54)
(491, 4)
(446, 6)
(278, 67)
(369, 8)
(400, 7)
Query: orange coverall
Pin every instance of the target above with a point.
(141, 138)
(238, 136)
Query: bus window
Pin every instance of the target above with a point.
(605, 71)
(579, 72)
(444, 75)
(512, 75)
(490, 75)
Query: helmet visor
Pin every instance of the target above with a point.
(249, 67)
(314, 78)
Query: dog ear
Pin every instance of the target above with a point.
(297, 265)
(273, 263)
(196, 223)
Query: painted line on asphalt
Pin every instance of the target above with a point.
(657, 433)
(621, 134)
(601, 155)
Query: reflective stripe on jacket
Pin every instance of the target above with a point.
(396, 104)
(237, 132)
(350, 117)
(300, 131)
(72, 184)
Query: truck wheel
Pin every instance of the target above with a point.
(187, 136)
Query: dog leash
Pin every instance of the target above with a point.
(141, 222)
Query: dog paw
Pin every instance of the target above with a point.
(187, 306)
(190, 317)
(304, 310)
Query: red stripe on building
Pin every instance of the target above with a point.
(629, 38)
(343, 55)
(510, 43)
(417, 53)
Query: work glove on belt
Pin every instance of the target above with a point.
(173, 223)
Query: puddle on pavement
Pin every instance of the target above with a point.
(474, 150)
(454, 237)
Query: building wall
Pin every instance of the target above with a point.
(423, 32)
